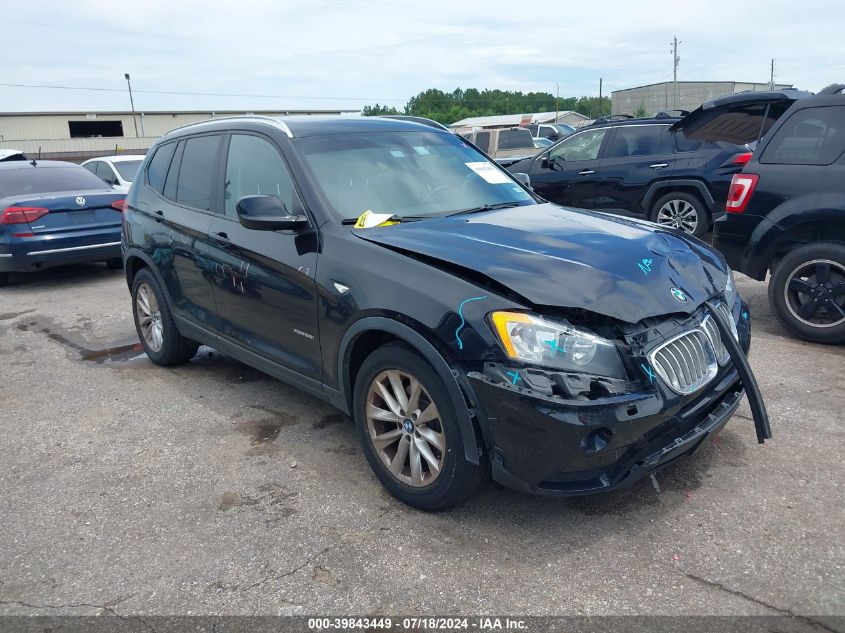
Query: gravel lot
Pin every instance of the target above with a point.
(213, 489)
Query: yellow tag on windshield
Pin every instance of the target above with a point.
(368, 220)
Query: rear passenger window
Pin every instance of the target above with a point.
(196, 174)
(482, 141)
(811, 136)
(515, 139)
(635, 140)
(255, 167)
(683, 144)
(159, 164)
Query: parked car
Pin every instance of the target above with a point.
(473, 328)
(54, 213)
(551, 131)
(636, 167)
(543, 143)
(117, 171)
(786, 210)
(12, 154)
(503, 144)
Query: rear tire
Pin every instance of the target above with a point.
(418, 453)
(681, 210)
(155, 324)
(116, 263)
(4, 279)
(807, 292)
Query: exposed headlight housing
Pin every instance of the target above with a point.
(556, 345)
(730, 290)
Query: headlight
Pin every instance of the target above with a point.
(730, 289)
(556, 345)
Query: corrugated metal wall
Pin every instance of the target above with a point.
(691, 94)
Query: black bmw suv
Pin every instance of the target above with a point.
(786, 210)
(389, 268)
(637, 167)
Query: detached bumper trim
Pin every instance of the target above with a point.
(71, 249)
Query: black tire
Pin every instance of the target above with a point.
(115, 263)
(682, 199)
(457, 478)
(802, 268)
(174, 348)
(4, 278)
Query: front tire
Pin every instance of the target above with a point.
(155, 324)
(807, 292)
(409, 430)
(681, 210)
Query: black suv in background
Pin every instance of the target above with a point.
(391, 269)
(786, 210)
(637, 167)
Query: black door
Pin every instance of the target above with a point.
(181, 175)
(265, 279)
(566, 173)
(633, 158)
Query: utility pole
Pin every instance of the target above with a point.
(675, 60)
(557, 101)
(772, 76)
(132, 103)
(601, 79)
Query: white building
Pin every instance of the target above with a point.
(654, 98)
(575, 119)
(81, 135)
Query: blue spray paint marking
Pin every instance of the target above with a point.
(648, 372)
(514, 376)
(645, 265)
(553, 344)
(463, 322)
(745, 315)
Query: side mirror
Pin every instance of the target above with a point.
(545, 161)
(267, 213)
(523, 179)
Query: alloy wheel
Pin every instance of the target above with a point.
(678, 214)
(815, 293)
(149, 317)
(405, 428)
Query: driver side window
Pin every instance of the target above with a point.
(583, 146)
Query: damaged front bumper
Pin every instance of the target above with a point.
(546, 444)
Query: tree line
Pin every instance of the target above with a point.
(448, 107)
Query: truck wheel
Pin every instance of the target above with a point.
(681, 210)
(155, 323)
(807, 292)
(409, 431)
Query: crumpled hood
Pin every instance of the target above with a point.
(570, 258)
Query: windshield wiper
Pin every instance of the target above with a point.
(395, 218)
(484, 207)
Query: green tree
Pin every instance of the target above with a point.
(378, 110)
(641, 112)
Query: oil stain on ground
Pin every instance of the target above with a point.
(104, 356)
(264, 431)
(331, 419)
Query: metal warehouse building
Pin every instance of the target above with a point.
(691, 94)
(81, 135)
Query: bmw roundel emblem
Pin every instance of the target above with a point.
(80, 201)
(679, 294)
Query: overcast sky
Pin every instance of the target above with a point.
(346, 53)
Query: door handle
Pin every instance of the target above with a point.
(658, 165)
(221, 238)
(586, 172)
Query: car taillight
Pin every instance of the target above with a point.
(741, 159)
(22, 215)
(742, 186)
(119, 205)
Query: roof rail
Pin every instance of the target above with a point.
(416, 119)
(276, 121)
(833, 89)
(613, 117)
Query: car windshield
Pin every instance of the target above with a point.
(419, 174)
(127, 168)
(34, 180)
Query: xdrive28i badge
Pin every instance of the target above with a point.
(80, 201)
(679, 294)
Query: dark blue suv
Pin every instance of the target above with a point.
(637, 167)
(391, 269)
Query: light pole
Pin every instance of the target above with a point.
(132, 103)
(557, 101)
